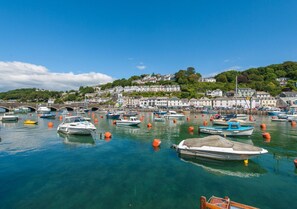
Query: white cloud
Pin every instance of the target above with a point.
(141, 66)
(25, 75)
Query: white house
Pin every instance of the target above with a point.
(245, 92)
(209, 80)
(262, 94)
(215, 93)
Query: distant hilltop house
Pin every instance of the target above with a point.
(144, 88)
(282, 81)
(214, 93)
(209, 80)
(154, 78)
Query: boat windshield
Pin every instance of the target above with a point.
(74, 119)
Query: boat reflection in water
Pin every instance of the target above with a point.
(225, 168)
(77, 139)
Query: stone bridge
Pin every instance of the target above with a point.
(7, 106)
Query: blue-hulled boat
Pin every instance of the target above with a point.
(48, 115)
(114, 116)
(233, 129)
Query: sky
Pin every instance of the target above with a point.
(65, 44)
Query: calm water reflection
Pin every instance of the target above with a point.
(42, 169)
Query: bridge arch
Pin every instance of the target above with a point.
(32, 109)
(67, 108)
(5, 108)
(53, 108)
(94, 108)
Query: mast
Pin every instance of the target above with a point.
(236, 95)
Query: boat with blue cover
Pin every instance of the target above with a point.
(233, 129)
(114, 116)
(48, 115)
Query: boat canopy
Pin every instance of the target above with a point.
(218, 141)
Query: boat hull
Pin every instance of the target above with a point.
(9, 118)
(114, 117)
(132, 123)
(75, 131)
(225, 132)
(216, 155)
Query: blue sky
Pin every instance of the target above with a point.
(118, 39)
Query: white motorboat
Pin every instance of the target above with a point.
(217, 147)
(43, 110)
(10, 116)
(173, 114)
(76, 125)
(159, 118)
(223, 122)
(132, 121)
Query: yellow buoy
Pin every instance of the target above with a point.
(246, 162)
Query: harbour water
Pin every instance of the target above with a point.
(42, 169)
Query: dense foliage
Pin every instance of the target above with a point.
(261, 79)
(30, 94)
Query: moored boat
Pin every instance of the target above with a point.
(48, 115)
(233, 129)
(173, 114)
(76, 125)
(219, 148)
(43, 110)
(222, 203)
(114, 116)
(223, 122)
(132, 121)
(159, 118)
(30, 122)
(10, 116)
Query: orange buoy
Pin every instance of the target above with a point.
(149, 125)
(96, 120)
(295, 162)
(191, 129)
(107, 135)
(114, 122)
(174, 121)
(156, 142)
(266, 135)
(50, 124)
(205, 123)
(61, 117)
(251, 118)
(293, 123)
(263, 126)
